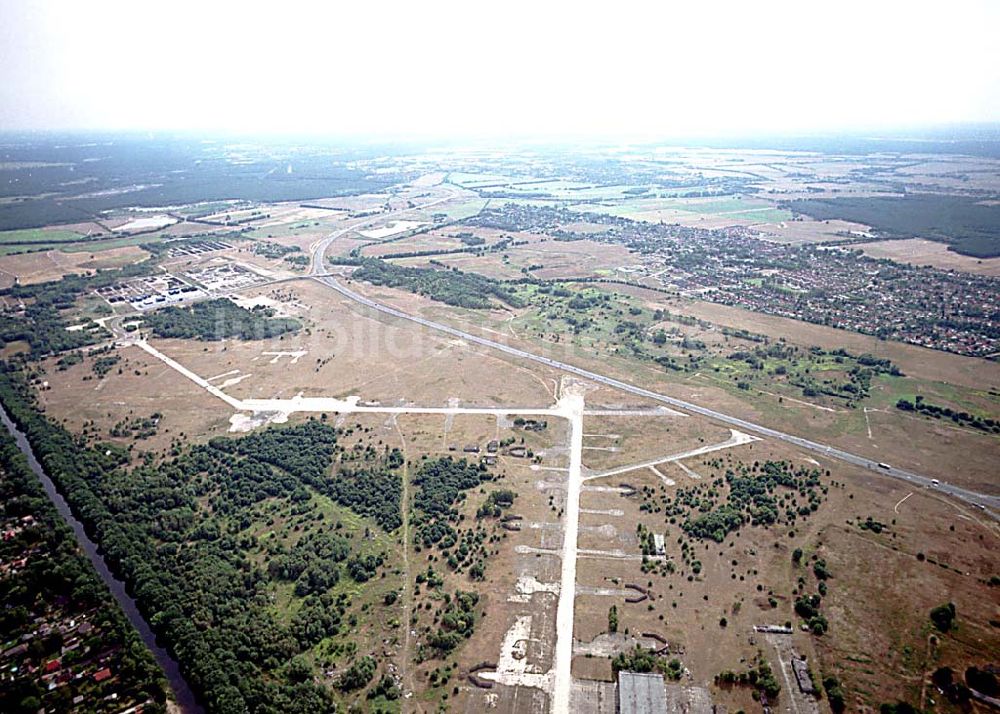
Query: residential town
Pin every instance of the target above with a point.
(835, 286)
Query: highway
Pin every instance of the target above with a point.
(990, 503)
(317, 251)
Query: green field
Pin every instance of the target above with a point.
(99, 245)
(736, 208)
(38, 240)
(458, 211)
(720, 205)
(38, 235)
(83, 246)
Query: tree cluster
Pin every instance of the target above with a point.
(452, 287)
(213, 320)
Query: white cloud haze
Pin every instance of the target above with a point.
(474, 68)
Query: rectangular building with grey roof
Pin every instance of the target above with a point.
(641, 693)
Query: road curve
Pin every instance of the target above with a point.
(317, 251)
(990, 503)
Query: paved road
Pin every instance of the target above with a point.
(738, 438)
(318, 249)
(990, 503)
(562, 681)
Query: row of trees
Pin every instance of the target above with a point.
(920, 406)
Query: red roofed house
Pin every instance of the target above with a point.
(102, 675)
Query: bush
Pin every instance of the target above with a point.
(834, 694)
(943, 616)
(982, 681)
(820, 571)
(386, 687)
(358, 674)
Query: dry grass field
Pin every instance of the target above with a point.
(44, 266)
(809, 230)
(918, 251)
(432, 240)
(877, 643)
(919, 444)
(143, 387)
(615, 441)
(345, 352)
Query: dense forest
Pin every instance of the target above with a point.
(452, 287)
(206, 538)
(80, 181)
(219, 319)
(372, 489)
(966, 224)
(58, 620)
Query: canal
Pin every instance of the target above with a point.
(182, 692)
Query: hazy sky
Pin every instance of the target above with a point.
(670, 67)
